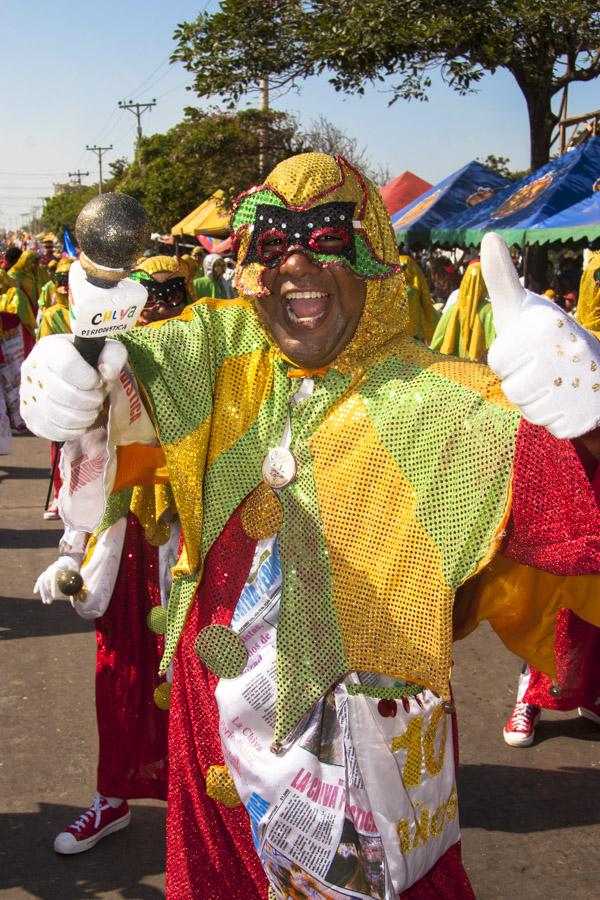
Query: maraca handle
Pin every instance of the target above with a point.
(89, 349)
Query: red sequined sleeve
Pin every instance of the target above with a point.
(555, 516)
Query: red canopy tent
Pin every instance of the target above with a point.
(403, 190)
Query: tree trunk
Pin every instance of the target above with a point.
(541, 122)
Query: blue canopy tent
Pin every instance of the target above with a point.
(578, 223)
(468, 186)
(547, 191)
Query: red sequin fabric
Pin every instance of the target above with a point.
(210, 854)
(132, 731)
(555, 525)
(577, 664)
(447, 880)
(555, 520)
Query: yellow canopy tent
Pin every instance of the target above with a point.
(210, 218)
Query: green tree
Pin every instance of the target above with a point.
(545, 44)
(118, 167)
(325, 137)
(501, 164)
(61, 211)
(174, 172)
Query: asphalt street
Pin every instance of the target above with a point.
(530, 817)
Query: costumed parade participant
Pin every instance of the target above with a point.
(55, 312)
(422, 315)
(20, 297)
(212, 283)
(337, 482)
(27, 278)
(466, 328)
(48, 290)
(55, 320)
(17, 330)
(5, 424)
(127, 574)
(48, 256)
(577, 644)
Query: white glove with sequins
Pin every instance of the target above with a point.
(548, 364)
(61, 395)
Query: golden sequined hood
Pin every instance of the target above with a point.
(588, 306)
(307, 181)
(151, 265)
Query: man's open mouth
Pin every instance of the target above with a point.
(306, 308)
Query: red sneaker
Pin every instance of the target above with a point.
(519, 731)
(93, 825)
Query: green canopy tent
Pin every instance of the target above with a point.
(579, 223)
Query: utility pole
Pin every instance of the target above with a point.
(79, 175)
(99, 151)
(137, 109)
(263, 87)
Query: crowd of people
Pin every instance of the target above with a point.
(307, 470)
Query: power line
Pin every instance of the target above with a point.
(33, 174)
(142, 85)
(172, 90)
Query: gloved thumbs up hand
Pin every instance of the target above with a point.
(548, 364)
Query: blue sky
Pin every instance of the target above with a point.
(65, 66)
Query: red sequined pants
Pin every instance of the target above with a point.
(132, 731)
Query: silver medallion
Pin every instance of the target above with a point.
(279, 467)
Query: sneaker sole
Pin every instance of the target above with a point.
(88, 843)
(516, 739)
(588, 714)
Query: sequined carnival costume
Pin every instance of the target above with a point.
(577, 643)
(329, 518)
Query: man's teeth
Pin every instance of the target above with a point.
(296, 318)
(305, 295)
(297, 298)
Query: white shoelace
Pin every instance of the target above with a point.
(94, 810)
(522, 717)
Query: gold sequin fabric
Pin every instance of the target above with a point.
(262, 513)
(149, 504)
(155, 264)
(162, 695)
(220, 787)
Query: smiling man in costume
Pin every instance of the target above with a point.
(336, 483)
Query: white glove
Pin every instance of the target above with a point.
(61, 395)
(549, 365)
(46, 585)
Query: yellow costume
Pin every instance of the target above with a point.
(422, 315)
(467, 328)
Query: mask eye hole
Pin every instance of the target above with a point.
(271, 245)
(331, 241)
